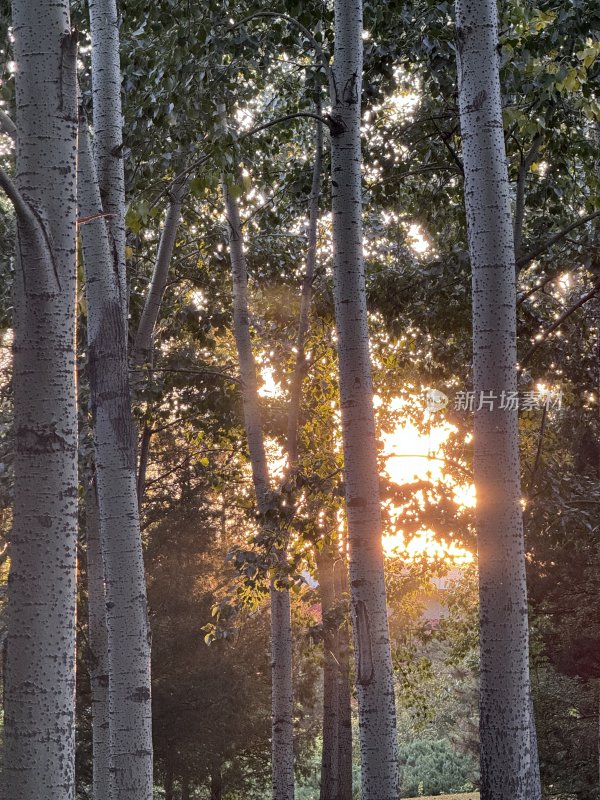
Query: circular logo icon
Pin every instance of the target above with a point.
(435, 400)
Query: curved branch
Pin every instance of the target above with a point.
(276, 15)
(330, 123)
(142, 347)
(541, 248)
(327, 121)
(23, 210)
(543, 336)
(7, 125)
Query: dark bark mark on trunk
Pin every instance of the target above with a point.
(365, 655)
(109, 382)
(216, 783)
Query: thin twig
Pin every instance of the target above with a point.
(541, 248)
(544, 335)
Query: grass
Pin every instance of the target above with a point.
(469, 796)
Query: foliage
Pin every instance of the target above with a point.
(433, 767)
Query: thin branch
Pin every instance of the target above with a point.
(445, 137)
(295, 399)
(526, 162)
(22, 209)
(143, 463)
(541, 248)
(542, 283)
(328, 122)
(275, 15)
(7, 125)
(543, 336)
(214, 372)
(92, 217)
(538, 454)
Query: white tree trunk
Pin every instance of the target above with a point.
(508, 759)
(374, 674)
(142, 351)
(330, 767)
(305, 300)
(98, 642)
(344, 691)
(142, 348)
(114, 441)
(282, 741)
(40, 664)
(108, 127)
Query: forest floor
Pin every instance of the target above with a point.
(469, 796)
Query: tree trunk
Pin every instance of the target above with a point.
(374, 675)
(305, 300)
(508, 758)
(142, 348)
(114, 442)
(331, 706)
(168, 787)
(282, 740)
(185, 789)
(40, 664)
(344, 687)
(98, 640)
(108, 129)
(143, 344)
(216, 783)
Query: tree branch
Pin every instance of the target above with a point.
(142, 347)
(582, 301)
(541, 248)
(327, 121)
(22, 208)
(7, 125)
(275, 15)
(526, 163)
(445, 137)
(295, 399)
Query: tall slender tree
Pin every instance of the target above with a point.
(40, 663)
(108, 128)
(98, 645)
(130, 719)
(374, 674)
(508, 755)
(142, 350)
(281, 629)
(282, 740)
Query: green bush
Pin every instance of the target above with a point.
(432, 766)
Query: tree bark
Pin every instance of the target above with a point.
(98, 639)
(114, 443)
(143, 345)
(374, 675)
(142, 348)
(329, 790)
(168, 787)
(305, 299)
(40, 664)
(108, 129)
(216, 783)
(508, 758)
(185, 789)
(282, 739)
(344, 686)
